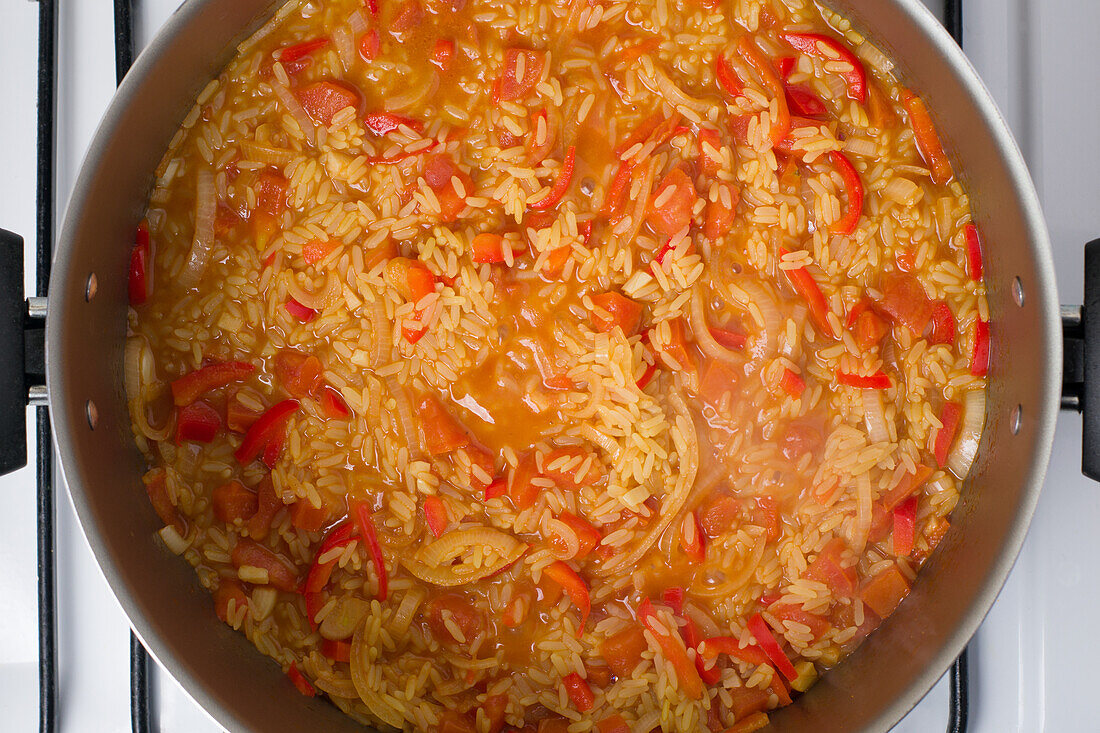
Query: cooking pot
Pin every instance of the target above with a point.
(870, 690)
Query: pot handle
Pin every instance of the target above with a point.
(22, 352)
(1081, 363)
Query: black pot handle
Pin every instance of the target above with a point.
(1080, 341)
(22, 354)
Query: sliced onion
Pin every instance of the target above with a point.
(962, 455)
(568, 537)
(732, 585)
(383, 336)
(315, 301)
(707, 342)
(403, 616)
(263, 602)
(404, 415)
(206, 206)
(637, 217)
(363, 654)
(874, 416)
(753, 292)
(415, 95)
(862, 526)
(659, 82)
(344, 618)
(447, 561)
(357, 22)
(294, 107)
(345, 46)
(138, 391)
(265, 153)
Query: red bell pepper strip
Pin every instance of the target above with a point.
(139, 280)
(784, 66)
(730, 339)
(943, 324)
(767, 642)
(973, 252)
(692, 540)
(320, 572)
(792, 384)
(365, 523)
(298, 50)
(690, 633)
(674, 597)
(808, 288)
(879, 380)
(830, 49)
(727, 77)
(853, 186)
(497, 488)
(579, 691)
(299, 311)
(752, 54)
(905, 518)
(647, 376)
(300, 681)
(928, 141)
(270, 427)
(333, 404)
(383, 123)
(674, 651)
(198, 422)
(979, 361)
(190, 387)
(730, 646)
(949, 416)
(435, 515)
(613, 200)
(565, 177)
(574, 586)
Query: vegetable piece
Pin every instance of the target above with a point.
(928, 142)
(613, 199)
(750, 723)
(333, 404)
(319, 572)
(488, 248)
(139, 283)
(306, 517)
(454, 722)
(878, 380)
(788, 612)
(316, 250)
(442, 53)
(416, 282)
(768, 643)
(620, 311)
(613, 724)
(676, 348)
(671, 205)
(943, 324)
(950, 414)
(870, 329)
(720, 516)
(519, 77)
(803, 102)
(198, 422)
(494, 709)
(752, 54)
(442, 432)
(298, 373)
(710, 152)
(469, 620)
(409, 15)
(731, 647)
(565, 473)
(906, 302)
(287, 54)
(784, 66)
(280, 573)
(156, 486)
(853, 187)
(906, 485)
(232, 501)
(672, 647)
(383, 123)
(979, 359)
(807, 287)
(692, 539)
(440, 172)
(727, 77)
(337, 651)
(827, 568)
(884, 592)
(300, 681)
(497, 488)
(623, 651)
(905, 518)
(746, 702)
(587, 535)
(973, 252)
(190, 387)
(323, 99)
(270, 426)
(370, 44)
(647, 376)
(792, 384)
(721, 213)
(229, 590)
(365, 523)
(299, 311)
(520, 487)
(674, 598)
(268, 504)
(561, 185)
(575, 588)
(435, 515)
(579, 691)
(830, 49)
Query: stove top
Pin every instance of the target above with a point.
(1030, 670)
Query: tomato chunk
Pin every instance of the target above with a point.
(885, 592)
(280, 573)
(233, 501)
(672, 203)
(454, 607)
(617, 310)
(906, 302)
(828, 569)
(623, 651)
(323, 99)
(442, 432)
(522, 71)
(229, 590)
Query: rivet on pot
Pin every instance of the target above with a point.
(91, 287)
(92, 413)
(1015, 419)
(1018, 292)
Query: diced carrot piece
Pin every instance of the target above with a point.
(323, 99)
(747, 701)
(280, 573)
(884, 592)
(623, 651)
(442, 432)
(298, 373)
(620, 311)
(671, 205)
(233, 501)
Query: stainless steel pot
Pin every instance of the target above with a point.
(871, 690)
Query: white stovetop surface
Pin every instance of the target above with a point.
(1029, 670)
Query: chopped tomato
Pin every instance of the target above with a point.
(720, 214)
(870, 330)
(520, 487)
(435, 515)
(561, 184)
(789, 612)
(488, 248)
(906, 485)
(483, 461)
(139, 280)
(298, 50)
(333, 404)
(574, 457)
(409, 15)
(672, 646)
(268, 504)
(233, 501)
(270, 427)
(465, 615)
(676, 348)
(766, 514)
(884, 592)
(442, 432)
(579, 691)
(370, 44)
(442, 53)
(555, 262)
(587, 535)
(671, 205)
(792, 384)
(494, 708)
(623, 651)
(306, 517)
(323, 99)
(880, 110)
(454, 722)
(979, 359)
(906, 302)
(830, 49)
(719, 379)
(692, 539)
(710, 152)
(720, 516)
(828, 569)
(943, 324)
(905, 519)
(298, 373)
(197, 422)
(516, 82)
(878, 380)
(190, 387)
(945, 436)
(973, 252)
(280, 573)
(752, 54)
(928, 141)
(316, 250)
(228, 590)
(807, 287)
(440, 172)
(617, 310)
(613, 724)
(238, 417)
(727, 78)
(853, 187)
(498, 488)
(575, 588)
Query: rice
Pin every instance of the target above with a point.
(589, 441)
